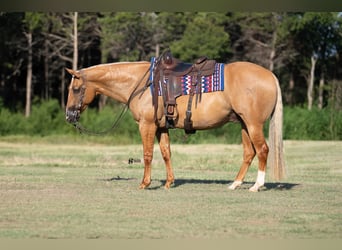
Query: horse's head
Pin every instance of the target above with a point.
(80, 95)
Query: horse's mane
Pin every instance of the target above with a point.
(99, 66)
(105, 70)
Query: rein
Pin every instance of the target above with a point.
(84, 130)
(134, 93)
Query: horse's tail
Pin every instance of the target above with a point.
(276, 154)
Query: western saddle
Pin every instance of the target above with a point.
(167, 80)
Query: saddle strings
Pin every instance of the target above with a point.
(134, 93)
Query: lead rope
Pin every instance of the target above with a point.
(84, 130)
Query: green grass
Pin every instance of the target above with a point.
(88, 190)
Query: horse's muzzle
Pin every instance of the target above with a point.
(72, 115)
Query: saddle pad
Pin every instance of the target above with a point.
(209, 83)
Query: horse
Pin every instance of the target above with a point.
(251, 96)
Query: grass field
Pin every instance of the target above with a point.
(88, 190)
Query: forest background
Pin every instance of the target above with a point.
(304, 50)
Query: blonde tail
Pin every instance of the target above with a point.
(276, 154)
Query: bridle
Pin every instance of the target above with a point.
(81, 89)
(134, 93)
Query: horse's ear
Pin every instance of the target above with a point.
(73, 73)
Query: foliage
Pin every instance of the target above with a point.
(280, 41)
(283, 42)
(256, 37)
(48, 118)
(202, 35)
(301, 124)
(316, 33)
(127, 36)
(34, 20)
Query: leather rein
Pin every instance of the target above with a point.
(134, 93)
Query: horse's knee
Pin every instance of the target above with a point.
(262, 152)
(265, 148)
(166, 154)
(148, 158)
(262, 156)
(248, 157)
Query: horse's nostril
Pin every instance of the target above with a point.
(72, 116)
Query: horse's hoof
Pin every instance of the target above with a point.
(235, 185)
(255, 188)
(143, 185)
(168, 185)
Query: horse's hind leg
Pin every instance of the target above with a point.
(257, 136)
(248, 155)
(164, 144)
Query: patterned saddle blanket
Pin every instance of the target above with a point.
(210, 83)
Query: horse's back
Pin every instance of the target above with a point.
(249, 75)
(251, 89)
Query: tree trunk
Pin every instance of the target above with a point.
(273, 50)
(75, 54)
(102, 102)
(320, 92)
(338, 96)
(63, 89)
(289, 93)
(157, 50)
(311, 82)
(46, 71)
(29, 75)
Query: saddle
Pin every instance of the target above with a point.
(168, 72)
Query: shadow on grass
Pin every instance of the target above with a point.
(280, 186)
(179, 182)
(245, 185)
(117, 178)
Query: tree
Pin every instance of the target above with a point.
(257, 38)
(303, 49)
(316, 35)
(12, 58)
(75, 42)
(127, 36)
(33, 21)
(68, 39)
(204, 35)
(169, 27)
(288, 58)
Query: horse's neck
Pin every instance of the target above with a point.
(118, 80)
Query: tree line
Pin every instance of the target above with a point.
(304, 49)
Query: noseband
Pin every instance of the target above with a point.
(80, 91)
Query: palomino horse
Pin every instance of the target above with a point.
(251, 95)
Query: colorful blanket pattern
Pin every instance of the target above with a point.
(209, 83)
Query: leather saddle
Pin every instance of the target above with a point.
(202, 66)
(168, 71)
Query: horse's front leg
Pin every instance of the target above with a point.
(164, 144)
(147, 132)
